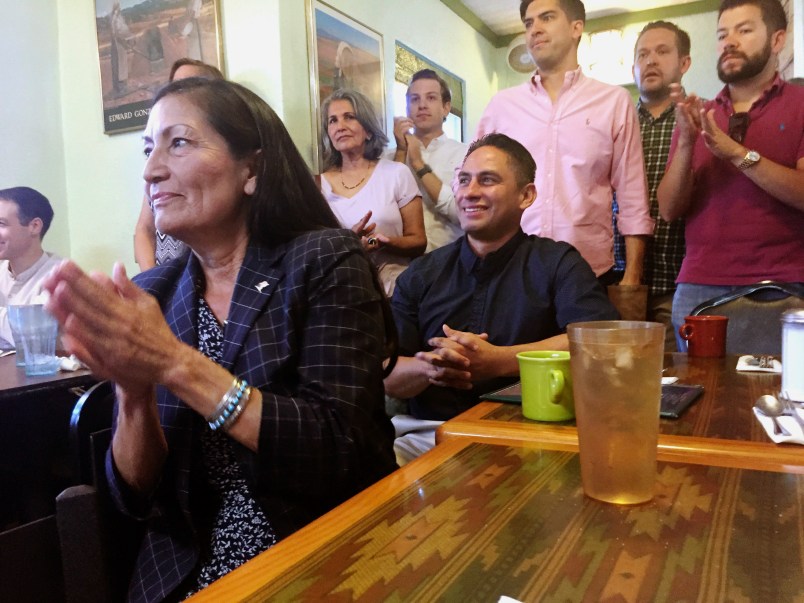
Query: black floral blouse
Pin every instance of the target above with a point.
(240, 529)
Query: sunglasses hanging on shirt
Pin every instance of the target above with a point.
(738, 126)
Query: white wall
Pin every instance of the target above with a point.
(31, 143)
(265, 48)
(702, 76)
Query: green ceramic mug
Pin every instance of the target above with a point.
(546, 386)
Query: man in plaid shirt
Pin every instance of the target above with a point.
(661, 57)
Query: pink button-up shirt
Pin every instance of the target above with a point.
(586, 147)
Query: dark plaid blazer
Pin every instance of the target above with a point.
(305, 327)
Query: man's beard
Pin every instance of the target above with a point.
(656, 94)
(751, 67)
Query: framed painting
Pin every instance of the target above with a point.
(343, 54)
(138, 41)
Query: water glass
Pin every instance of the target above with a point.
(15, 334)
(38, 332)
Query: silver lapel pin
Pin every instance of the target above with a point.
(259, 287)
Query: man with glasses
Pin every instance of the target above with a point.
(736, 171)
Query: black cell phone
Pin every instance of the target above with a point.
(676, 398)
(511, 394)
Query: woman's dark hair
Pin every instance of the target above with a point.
(210, 71)
(286, 202)
(366, 115)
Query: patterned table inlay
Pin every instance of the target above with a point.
(497, 520)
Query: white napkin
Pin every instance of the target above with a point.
(750, 363)
(793, 427)
(669, 380)
(70, 364)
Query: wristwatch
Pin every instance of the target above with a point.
(426, 169)
(751, 157)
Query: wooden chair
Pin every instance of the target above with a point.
(98, 545)
(754, 315)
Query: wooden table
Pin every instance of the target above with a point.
(472, 521)
(15, 383)
(719, 425)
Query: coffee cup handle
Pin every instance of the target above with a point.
(556, 385)
(686, 331)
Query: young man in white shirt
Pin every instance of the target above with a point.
(25, 216)
(430, 154)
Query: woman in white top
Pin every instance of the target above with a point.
(378, 199)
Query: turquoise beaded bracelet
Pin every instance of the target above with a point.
(230, 406)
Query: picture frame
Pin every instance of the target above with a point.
(138, 42)
(342, 53)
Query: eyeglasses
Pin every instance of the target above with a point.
(738, 126)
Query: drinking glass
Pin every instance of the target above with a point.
(616, 374)
(38, 331)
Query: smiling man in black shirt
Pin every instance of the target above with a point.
(465, 310)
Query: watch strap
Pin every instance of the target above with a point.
(426, 169)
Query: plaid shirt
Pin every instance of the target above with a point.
(666, 251)
(305, 327)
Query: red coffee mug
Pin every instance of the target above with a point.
(705, 335)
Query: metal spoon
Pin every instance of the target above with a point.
(771, 407)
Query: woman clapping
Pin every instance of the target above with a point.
(249, 375)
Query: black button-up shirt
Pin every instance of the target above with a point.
(528, 290)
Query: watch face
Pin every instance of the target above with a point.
(751, 158)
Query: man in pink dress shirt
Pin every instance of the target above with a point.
(584, 136)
